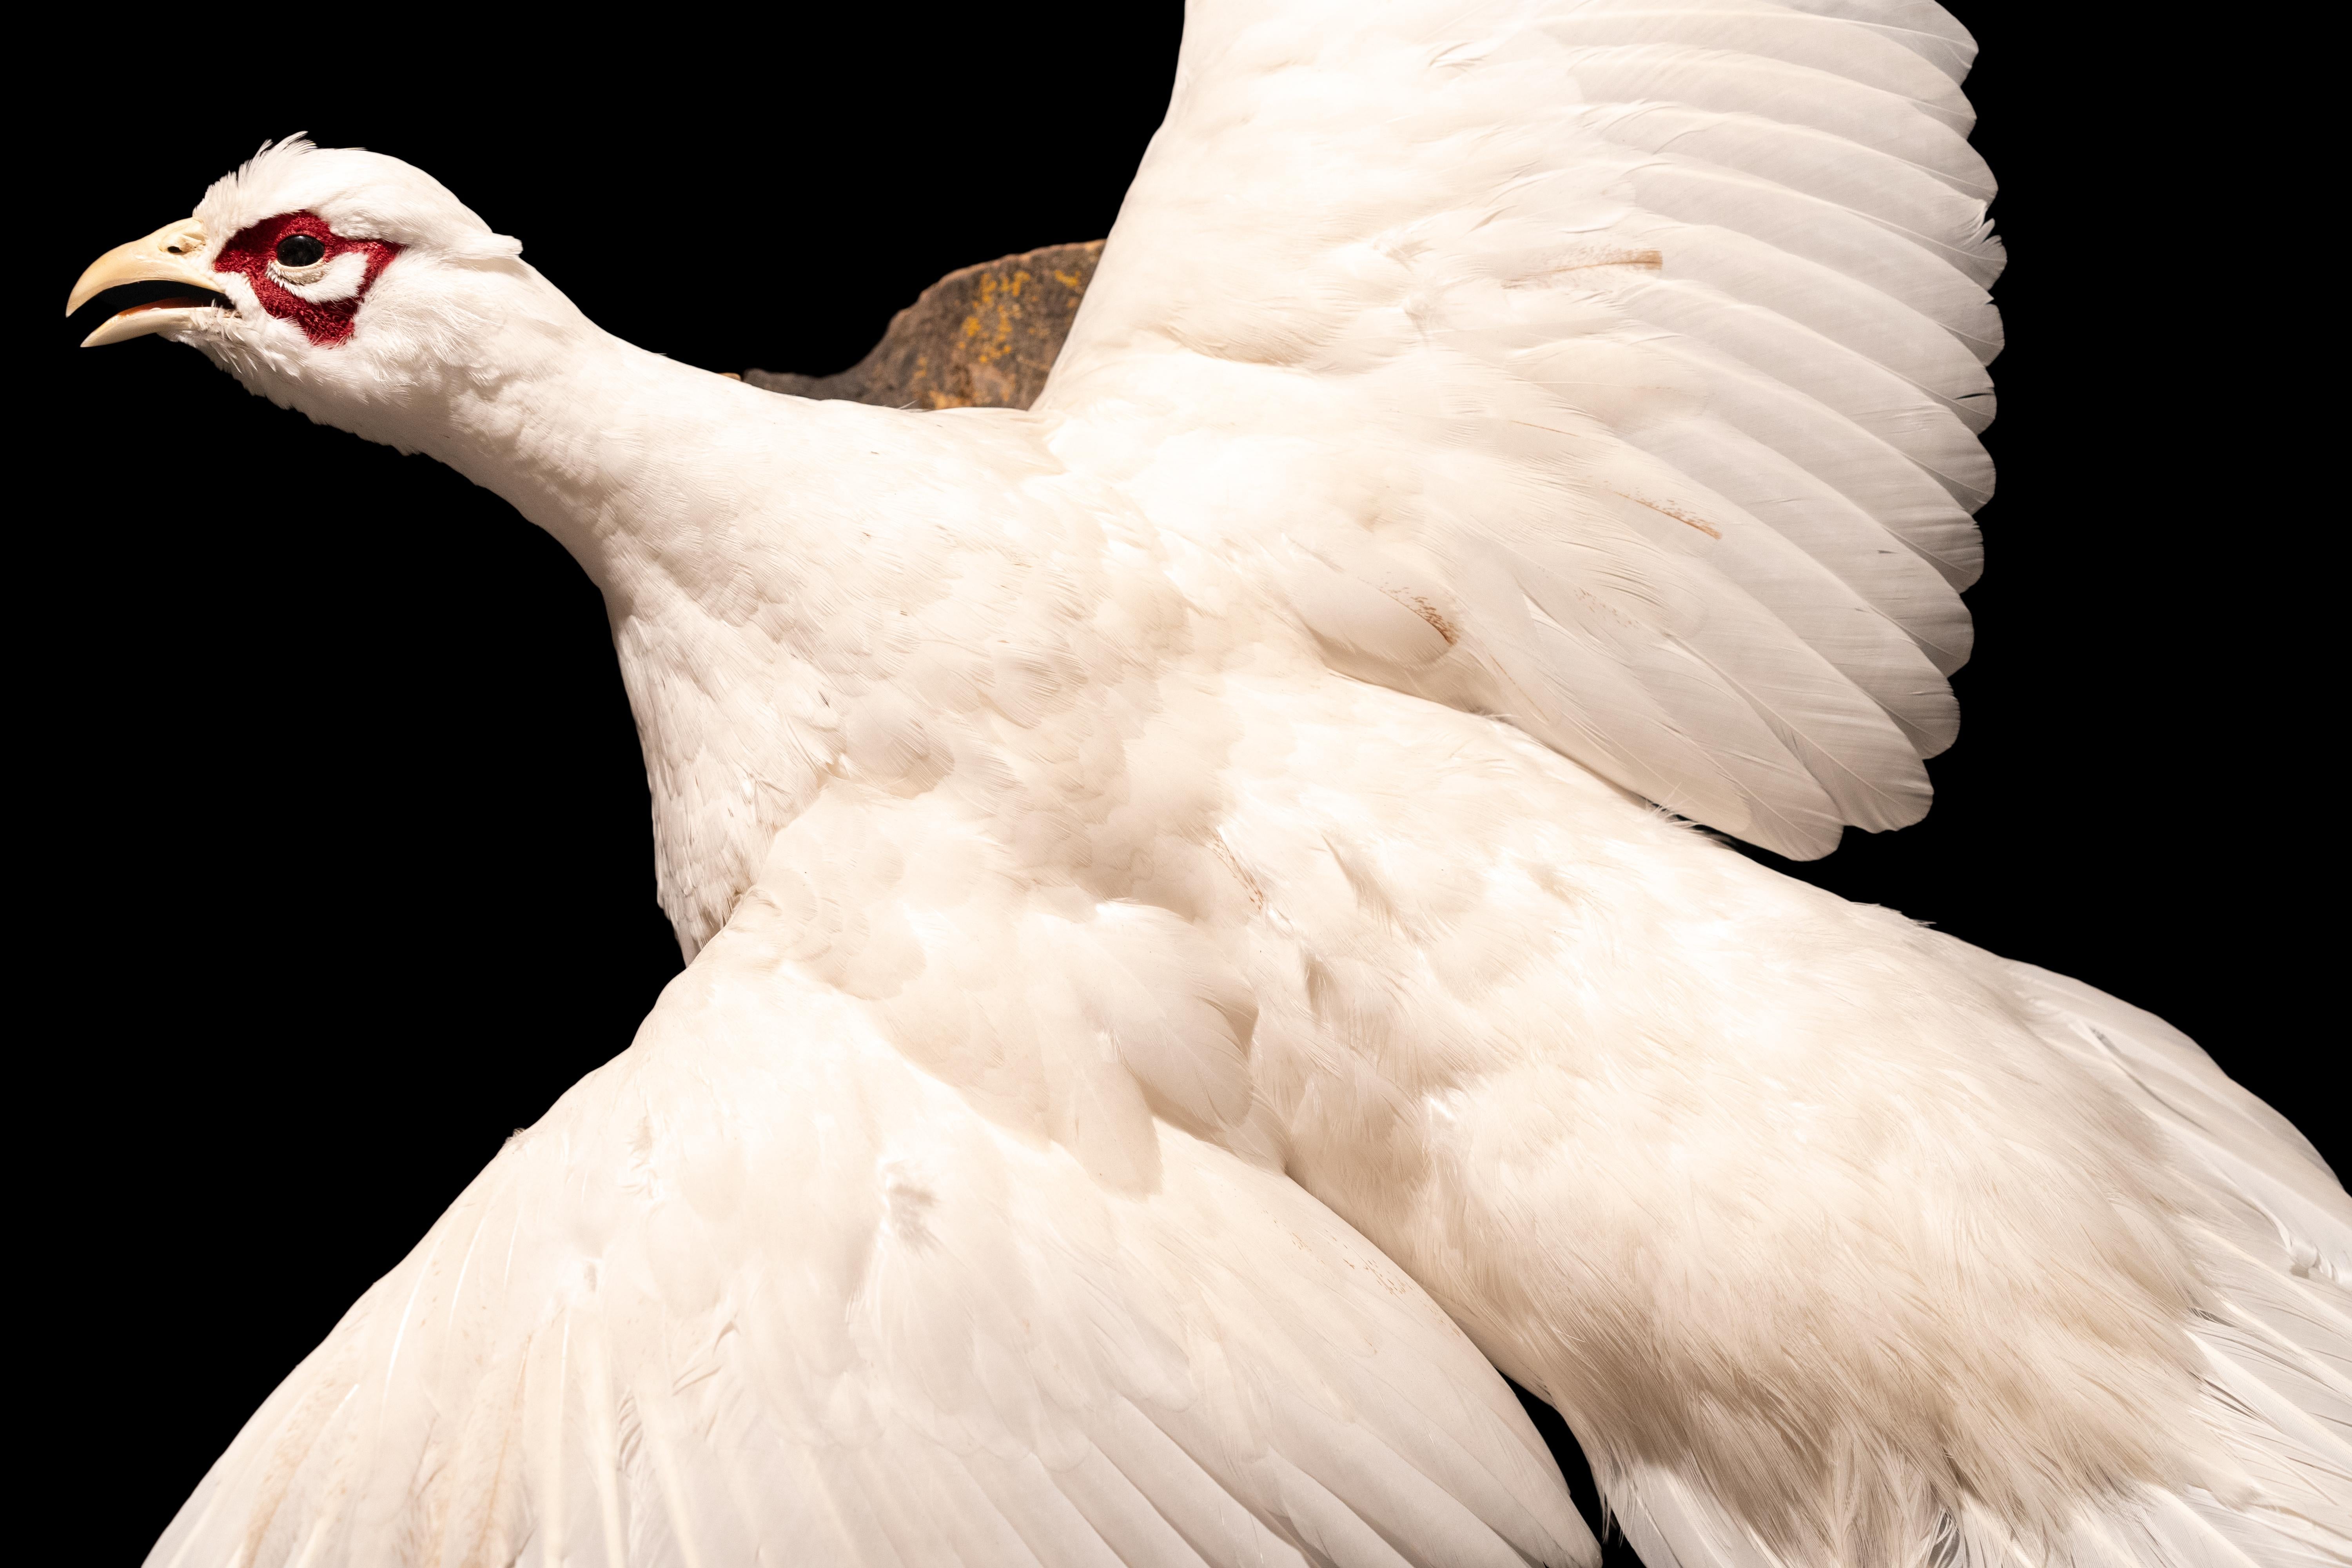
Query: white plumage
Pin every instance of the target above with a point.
(1186, 956)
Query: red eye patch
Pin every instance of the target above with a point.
(327, 322)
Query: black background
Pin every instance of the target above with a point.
(338, 858)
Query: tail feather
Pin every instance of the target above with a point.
(2276, 1252)
(2243, 1150)
(2272, 1232)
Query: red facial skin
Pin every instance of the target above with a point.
(328, 324)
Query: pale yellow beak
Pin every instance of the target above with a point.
(167, 256)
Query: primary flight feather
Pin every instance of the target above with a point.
(1194, 959)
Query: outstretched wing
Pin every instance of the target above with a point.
(1615, 366)
(760, 1291)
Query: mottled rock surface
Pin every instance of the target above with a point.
(980, 337)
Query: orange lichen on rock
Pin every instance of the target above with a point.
(980, 337)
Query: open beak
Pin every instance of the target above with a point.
(167, 256)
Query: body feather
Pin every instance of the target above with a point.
(1190, 946)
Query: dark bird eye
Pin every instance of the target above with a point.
(300, 251)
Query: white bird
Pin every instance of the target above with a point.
(1194, 953)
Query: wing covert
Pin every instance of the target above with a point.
(1613, 367)
(761, 1291)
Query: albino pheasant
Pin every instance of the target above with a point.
(1198, 942)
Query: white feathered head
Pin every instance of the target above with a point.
(341, 282)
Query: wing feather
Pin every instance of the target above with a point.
(1943, 213)
(1635, 347)
(762, 1291)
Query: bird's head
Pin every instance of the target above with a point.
(341, 282)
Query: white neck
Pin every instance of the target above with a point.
(622, 455)
(711, 514)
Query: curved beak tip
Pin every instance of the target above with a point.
(167, 256)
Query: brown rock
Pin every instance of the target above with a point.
(980, 337)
